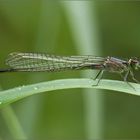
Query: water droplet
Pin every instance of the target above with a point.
(19, 88)
(35, 88)
(91, 82)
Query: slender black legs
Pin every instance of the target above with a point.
(125, 77)
(99, 76)
(7, 70)
(130, 72)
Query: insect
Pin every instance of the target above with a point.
(41, 62)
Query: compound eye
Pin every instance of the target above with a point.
(137, 66)
(135, 63)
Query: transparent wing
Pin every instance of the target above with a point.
(46, 62)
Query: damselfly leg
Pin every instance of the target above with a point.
(98, 77)
(133, 77)
(125, 78)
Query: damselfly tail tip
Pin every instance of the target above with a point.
(7, 70)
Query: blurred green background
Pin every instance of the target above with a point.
(100, 28)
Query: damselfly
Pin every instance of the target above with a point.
(37, 62)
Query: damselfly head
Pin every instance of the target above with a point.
(135, 62)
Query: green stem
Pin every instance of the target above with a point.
(13, 123)
(12, 95)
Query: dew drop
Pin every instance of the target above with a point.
(19, 88)
(35, 88)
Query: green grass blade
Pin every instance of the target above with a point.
(12, 95)
(13, 123)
